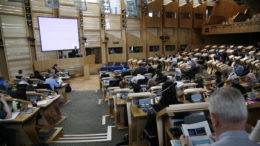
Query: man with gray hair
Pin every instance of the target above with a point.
(228, 113)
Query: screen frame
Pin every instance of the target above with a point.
(59, 18)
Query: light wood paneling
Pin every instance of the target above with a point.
(68, 11)
(153, 41)
(91, 23)
(172, 7)
(133, 24)
(17, 52)
(93, 10)
(155, 5)
(135, 41)
(39, 6)
(185, 23)
(11, 8)
(44, 65)
(113, 22)
(201, 9)
(115, 42)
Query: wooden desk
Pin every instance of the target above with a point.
(51, 113)
(62, 91)
(111, 101)
(24, 124)
(163, 123)
(138, 122)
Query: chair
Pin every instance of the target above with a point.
(117, 64)
(110, 64)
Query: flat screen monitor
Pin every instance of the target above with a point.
(58, 33)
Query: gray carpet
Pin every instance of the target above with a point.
(84, 116)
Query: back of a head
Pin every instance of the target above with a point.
(20, 71)
(178, 78)
(136, 88)
(228, 104)
(123, 84)
(1, 78)
(169, 95)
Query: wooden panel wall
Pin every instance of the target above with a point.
(135, 41)
(14, 34)
(153, 41)
(155, 5)
(201, 9)
(91, 25)
(185, 23)
(171, 7)
(172, 33)
(115, 42)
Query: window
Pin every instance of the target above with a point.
(183, 47)
(132, 8)
(115, 50)
(110, 7)
(135, 49)
(154, 48)
(170, 47)
(154, 14)
(171, 15)
(198, 16)
(185, 15)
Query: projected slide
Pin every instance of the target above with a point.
(58, 33)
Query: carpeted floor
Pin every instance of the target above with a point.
(84, 116)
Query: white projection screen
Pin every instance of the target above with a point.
(58, 33)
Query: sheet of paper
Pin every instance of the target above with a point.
(42, 102)
(14, 115)
(198, 133)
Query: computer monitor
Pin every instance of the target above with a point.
(143, 102)
(122, 95)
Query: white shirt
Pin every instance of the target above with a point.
(179, 84)
(23, 82)
(136, 78)
(178, 72)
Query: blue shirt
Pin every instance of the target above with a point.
(124, 70)
(52, 83)
(234, 138)
(239, 70)
(3, 85)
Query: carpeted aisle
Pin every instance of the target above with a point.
(84, 116)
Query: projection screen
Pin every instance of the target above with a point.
(58, 33)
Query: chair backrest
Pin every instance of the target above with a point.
(110, 64)
(117, 64)
(142, 81)
(43, 86)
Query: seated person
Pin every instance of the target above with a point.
(218, 79)
(54, 69)
(178, 81)
(228, 117)
(169, 96)
(20, 74)
(124, 69)
(109, 72)
(3, 85)
(52, 82)
(62, 55)
(232, 73)
(151, 83)
(238, 69)
(123, 84)
(150, 69)
(137, 77)
(75, 53)
(251, 80)
(37, 75)
(7, 135)
(136, 87)
(235, 84)
(199, 81)
(177, 71)
(140, 69)
(159, 77)
(23, 81)
(5, 112)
